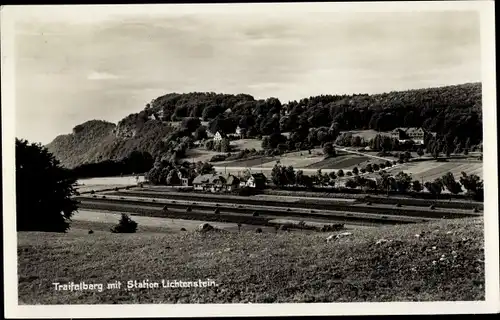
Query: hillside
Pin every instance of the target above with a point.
(446, 262)
(454, 112)
(84, 144)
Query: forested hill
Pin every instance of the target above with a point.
(451, 111)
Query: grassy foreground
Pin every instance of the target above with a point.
(445, 263)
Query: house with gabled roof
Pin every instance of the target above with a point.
(416, 134)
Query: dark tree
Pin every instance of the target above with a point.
(43, 190)
(451, 184)
(329, 150)
(416, 186)
(125, 225)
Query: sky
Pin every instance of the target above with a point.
(73, 68)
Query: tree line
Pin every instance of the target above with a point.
(470, 185)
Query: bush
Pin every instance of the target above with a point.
(217, 211)
(189, 209)
(218, 157)
(255, 214)
(92, 191)
(91, 231)
(432, 207)
(475, 210)
(258, 230)
(116, 188)
(183, 229)
(165, 208)
(125, 225)
(398, 205)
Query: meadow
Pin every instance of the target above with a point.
(446, 262)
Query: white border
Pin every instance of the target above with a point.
(491, 305)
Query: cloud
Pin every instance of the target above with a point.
(94, 75)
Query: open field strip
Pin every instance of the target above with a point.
(294, 198)
(428, 171)
(230, 215)
(259, 203)
(169, 225)
(110, 181)
(246, 266)
(249, 144)
(344, 162)
(306, 197)
(355, 212)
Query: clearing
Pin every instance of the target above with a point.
(445, 263)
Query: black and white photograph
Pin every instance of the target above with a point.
(249, 159)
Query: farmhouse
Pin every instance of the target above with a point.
(184, 180)
(232, 182)
(256, 180)
(218, 136)
(417, 135)
(216, 182)
(206, 182)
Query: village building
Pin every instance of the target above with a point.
(209, 182)
(215, 183)
(417, 135)
(232, 183)
(218, 136)
(256, 180)
(184, 180)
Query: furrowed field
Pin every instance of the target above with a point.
(444, 263)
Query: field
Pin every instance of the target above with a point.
(444, 263)
(340, 162)
(430, 170)
(253, 162)
(106, 183)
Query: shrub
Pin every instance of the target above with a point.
(432, 207)
(258, 230)
(288, 209)
(91, 231)
(127, 188)
(255, 214)
(363, 170)
(116, 188)
(92, 191)
(349, 173)
(218, 157)
(398, 205)
(475, 210)
(283, 228)
(165, 208)
(183, 229)
(125, 225)
(189, 209)
(217, 211)
(369, 203)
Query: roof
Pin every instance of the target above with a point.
(209, 178)
(222, 134)
(232, 180)
(258, 176)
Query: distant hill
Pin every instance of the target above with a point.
(451, 111)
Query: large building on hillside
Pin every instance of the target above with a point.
(417, 135)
